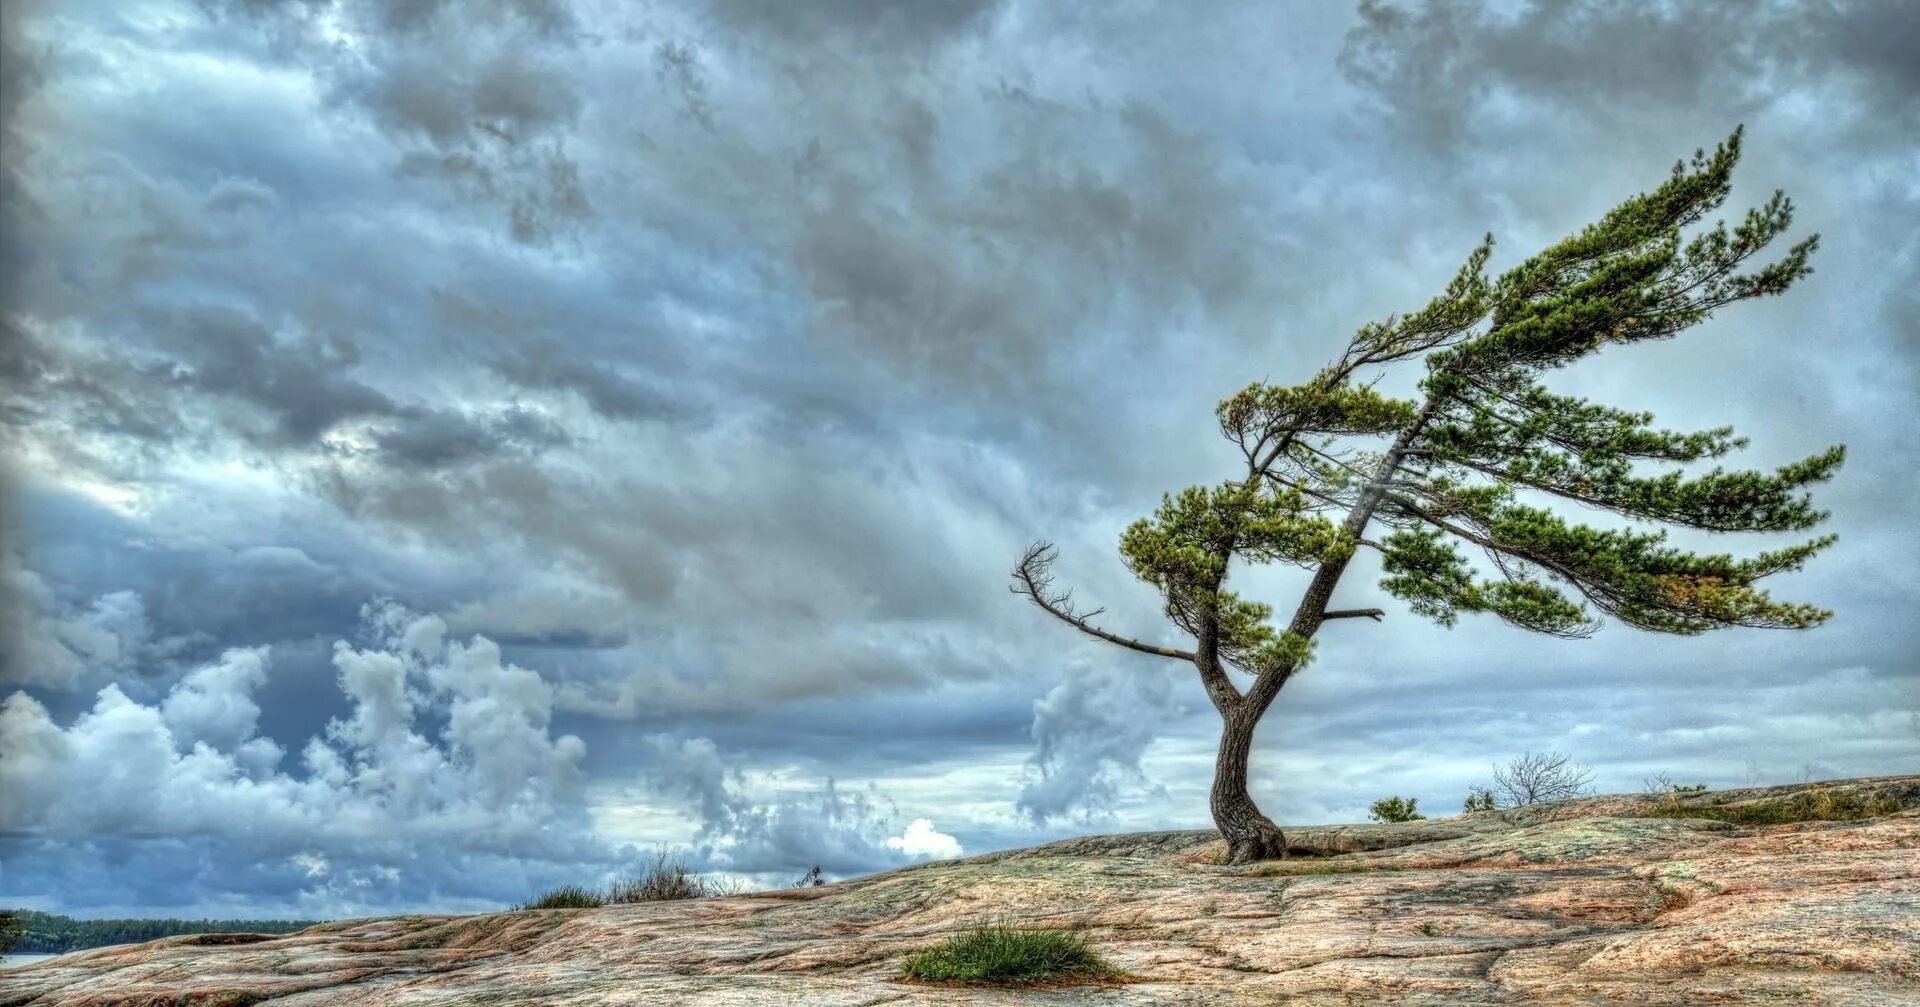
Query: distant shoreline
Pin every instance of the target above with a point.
(52, 934)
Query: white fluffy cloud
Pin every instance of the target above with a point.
(379, 789)
(922, 840)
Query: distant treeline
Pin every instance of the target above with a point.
(44, 933)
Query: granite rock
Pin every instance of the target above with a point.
(1583, 902)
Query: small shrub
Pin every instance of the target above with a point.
(665, 880)
(1534, 777)
(566, 897)
(1478, 799)
(1004, 955)
(1807, 806)
(811, 879)
(1661, 783)
(1395, 809)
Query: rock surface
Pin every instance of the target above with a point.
(1586, 902)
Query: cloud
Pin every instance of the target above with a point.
(66, 646)
(369, 796)
(844, 832)
(214, 703)
(1090, 733)
(922, 840)
(1441, 63)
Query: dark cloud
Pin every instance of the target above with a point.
(1439, 62)
(1089, 736)
(886, 24)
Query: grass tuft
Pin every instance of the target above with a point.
(664, 880)
(567, 897)
(1005, 955)
(1807, 806)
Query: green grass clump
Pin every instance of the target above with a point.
(1004, 955)
(1808, 806)
(567, 897)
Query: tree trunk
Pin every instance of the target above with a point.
(1250, 835)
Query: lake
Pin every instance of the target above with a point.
(12, 961)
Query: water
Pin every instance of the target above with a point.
(14, 961)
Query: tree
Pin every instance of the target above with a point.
(1533, 777)
(1473, 460)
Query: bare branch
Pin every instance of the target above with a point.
(1534, 777)
(1354, 613)
(1033, 578)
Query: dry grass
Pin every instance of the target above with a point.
(1809, 806)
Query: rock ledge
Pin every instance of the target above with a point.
(1586, 902)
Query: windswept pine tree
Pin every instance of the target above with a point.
(1331, 466)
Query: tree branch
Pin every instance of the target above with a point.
(1034, 579)
(1312, 610)
(1354, 613)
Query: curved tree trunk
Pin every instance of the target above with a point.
(1250, 835)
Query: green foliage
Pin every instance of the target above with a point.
(11, 930)
(566, 897)
(1263, 410)
(1479, 799)
(1005, 955)
(46, 933)
(1395, 809)
(1184, 548)
(1807, 806)
(1488, 432)
(1428, 572)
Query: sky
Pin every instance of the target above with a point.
(455, 449)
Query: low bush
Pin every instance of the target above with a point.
(1010, 956)
(1539, 777)
(566, 897)
(1662, 783)
(1396, 809)
(1478, 799)
(664, 880)
(1807, 806)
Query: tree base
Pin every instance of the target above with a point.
(1263, 842)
